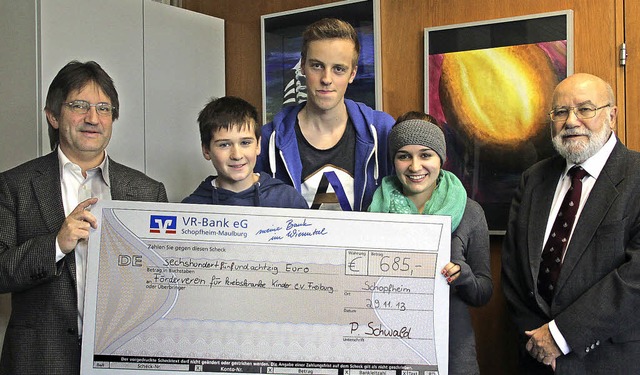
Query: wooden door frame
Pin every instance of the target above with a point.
(619, 85)
(630, 74)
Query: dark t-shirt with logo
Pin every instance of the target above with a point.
(327, 175)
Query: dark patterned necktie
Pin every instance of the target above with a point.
(559, 237)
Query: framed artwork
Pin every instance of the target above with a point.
(282, 82)
(490, 84)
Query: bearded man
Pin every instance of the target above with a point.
(571, 255)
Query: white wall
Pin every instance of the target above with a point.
(166, 64)
(172, 101)
(18, 83)
(19, 111)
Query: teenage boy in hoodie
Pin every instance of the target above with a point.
(331, 149)
(230, 136)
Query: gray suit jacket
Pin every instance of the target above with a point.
(598, 291)
(42, 335)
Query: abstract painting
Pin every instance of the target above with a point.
(490, 84)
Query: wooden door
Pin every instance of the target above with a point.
(632, 73)
(596, 29)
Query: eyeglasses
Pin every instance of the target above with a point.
(583, 112)
(82, 107)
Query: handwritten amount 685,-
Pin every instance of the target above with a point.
(390, 263)
(404, 264)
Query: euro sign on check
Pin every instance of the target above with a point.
(180, 288)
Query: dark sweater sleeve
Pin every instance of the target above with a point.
(470, 249)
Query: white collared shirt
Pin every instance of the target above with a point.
(76, 188)
(593, 166)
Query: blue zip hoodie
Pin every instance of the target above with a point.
(280, 156)
(267, 192)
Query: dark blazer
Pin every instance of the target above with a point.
(597, 298)
(42, 335)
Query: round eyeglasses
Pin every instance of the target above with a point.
(582, 112)
(82, 107)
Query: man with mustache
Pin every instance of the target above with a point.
(45, 221)
(573, 285)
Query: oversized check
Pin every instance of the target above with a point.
(216, 289)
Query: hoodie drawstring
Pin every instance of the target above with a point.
(256, 194)
(376, 166)
(214, 192)
(272, 153)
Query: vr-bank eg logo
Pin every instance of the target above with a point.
(163, 224)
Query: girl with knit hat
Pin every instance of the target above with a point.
(420, 186)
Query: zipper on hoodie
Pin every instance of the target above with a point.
(366, 166)
(286, 167)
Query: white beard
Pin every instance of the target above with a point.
(577, 151)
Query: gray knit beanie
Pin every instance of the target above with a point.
(417, 132)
